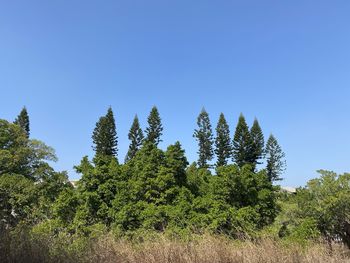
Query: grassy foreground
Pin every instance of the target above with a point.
(207, 249)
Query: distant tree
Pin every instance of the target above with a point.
(242, 144)
(23, 121)
(136, 137)
(223, 148)
(204, 137)
(105, 136)
(155, 128)
(258, 142)
(275, 159)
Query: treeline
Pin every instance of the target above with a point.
(158, 190)
(246, 147)
(153, 189)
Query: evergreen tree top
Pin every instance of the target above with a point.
(23, 121)
(242, 143)
(105, 136)
(136, 138)
(155, 128)
(258, 141)
(222, 141)
(204, 137)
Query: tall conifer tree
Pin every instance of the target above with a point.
(155, 128)
(23, 121)
(223, 148)
(242, 144)
(105, 136)
(136, 137)
(276, 163)
(258, 142)
(204, 137)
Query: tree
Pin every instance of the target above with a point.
(242, 144)
(326, 201)
(176, 160)
(20, 155)
(105, 136)
(222, 142)
(258, 142)
(155, 128)
(204, 137)
(275, 159)
(136, 137)
(23, 121)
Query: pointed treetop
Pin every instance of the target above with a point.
(258, 141)
(105, 136)
(275, 157)
(136, 138)
(23, 121)
(223, 148)
(204, 137)
(155, 128)
(242, 143)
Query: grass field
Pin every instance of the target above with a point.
(207, 249)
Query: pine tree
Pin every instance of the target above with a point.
(23, 121)
(155, 128)
(222, 142)
(105, 136)
(176, 161)
(136, 137)
(204, 137)
(258, 142)
(242, 144)
(276, 163)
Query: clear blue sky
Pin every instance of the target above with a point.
(285, 62)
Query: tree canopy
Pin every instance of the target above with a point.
(158, 190)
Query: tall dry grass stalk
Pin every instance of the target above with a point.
(211, 250)
(203, 249)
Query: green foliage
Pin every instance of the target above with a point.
(326, 200)
(275, 159)
(22, 121)
(20, 155)
(257, 137)
(204, 137)
(17, 199)
(155, 128)
(223, 148)
(105, 136)
(157, 191)
(243, 151)
(136, 138)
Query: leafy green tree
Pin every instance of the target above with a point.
(17, 199)
(23, 121)
(275, 159)
(104, 137)
(204, 137)
(97, 188)
(258, 142)
(242, 144)
(155, 128)
(65, 206)
(136, 138)
(326, 201)
(222, 142)
(19, 155)
(176, 160)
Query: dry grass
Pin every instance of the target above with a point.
(211, 250)
(206, 249)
